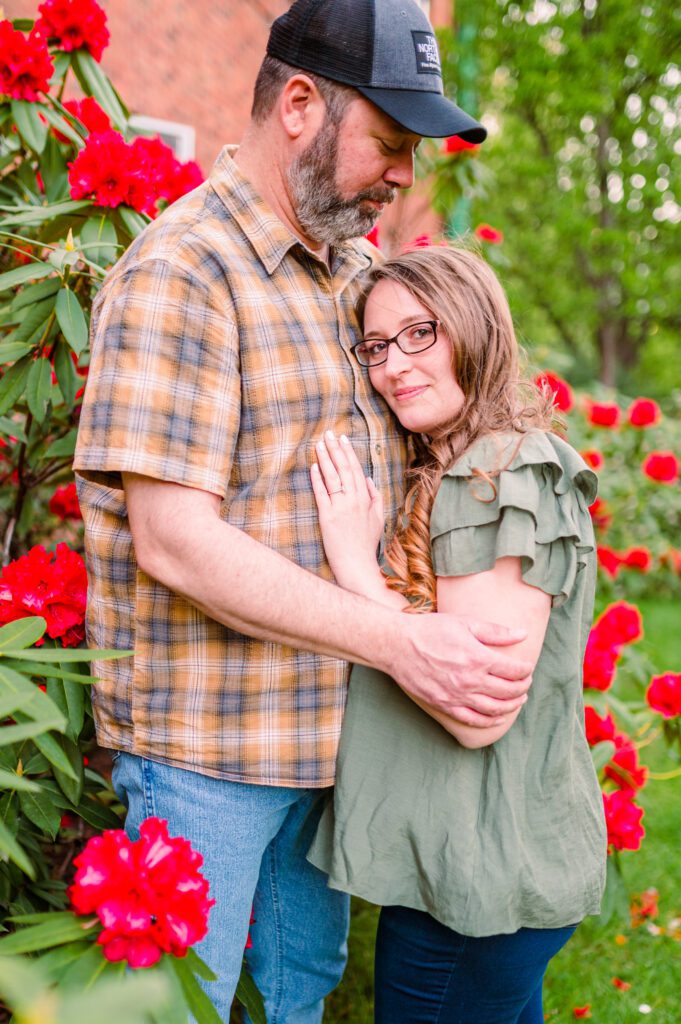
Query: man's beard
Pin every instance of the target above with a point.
(321, 211)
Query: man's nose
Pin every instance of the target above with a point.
(400, 174)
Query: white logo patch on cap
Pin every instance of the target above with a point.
(427, 56)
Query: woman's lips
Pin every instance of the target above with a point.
(403, 394)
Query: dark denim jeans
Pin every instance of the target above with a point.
(428, 974)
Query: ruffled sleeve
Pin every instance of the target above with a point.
(537, 510)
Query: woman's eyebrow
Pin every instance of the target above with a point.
(415, 318)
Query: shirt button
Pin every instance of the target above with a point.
(378, 448)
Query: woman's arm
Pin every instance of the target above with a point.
(498, 595)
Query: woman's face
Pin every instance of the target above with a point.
(421, 389)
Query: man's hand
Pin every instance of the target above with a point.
(448, 662)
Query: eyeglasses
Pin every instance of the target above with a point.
(410, 340)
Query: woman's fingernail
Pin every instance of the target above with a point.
(344, 439)
(330, 436)
(314, 467)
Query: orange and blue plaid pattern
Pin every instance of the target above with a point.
(220, 353)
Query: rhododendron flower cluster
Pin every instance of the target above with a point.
(75, 24)
(602, 414)
(51, 585)
(112, 172)
(611, 561)
(623, 820)
(562, 392)
(662, 467)
(149, 894)
(64, 503)
(664, 694)
(25, 63)
(644, 412)
(619, 624)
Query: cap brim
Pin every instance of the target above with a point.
(426, 113)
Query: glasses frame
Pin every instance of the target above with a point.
(395, 341)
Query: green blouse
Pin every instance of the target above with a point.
(511, 835)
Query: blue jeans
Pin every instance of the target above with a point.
(428, 974)
(253, 840)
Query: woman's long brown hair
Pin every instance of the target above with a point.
(461, 291)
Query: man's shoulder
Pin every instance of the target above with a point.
(189, 236)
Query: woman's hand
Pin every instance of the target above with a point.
(350, 515)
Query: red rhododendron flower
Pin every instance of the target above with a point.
(64, 503)
(582, 1012)
(609, 560)
(661, 466)
(89, 113)
(455, 144)
(486, 233)
(149, 894)
(598, 729)
(620, 624)
(664, 694)
(75, 24)
(644, 412)
(373, 236)
(186, 177)
(25, 63)
(562, 392)
(600, 662)
(106, 170)
(593, 458)
(600, 513)
(637, 558)
(624, 986)
(624, 769)
(51, 585)
(603, 414)
(623, 820)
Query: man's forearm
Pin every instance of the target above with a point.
(243, 584)
(181, 541)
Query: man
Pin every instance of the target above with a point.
(220, 356)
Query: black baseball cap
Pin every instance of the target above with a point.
(386, 49)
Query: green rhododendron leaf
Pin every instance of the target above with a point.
(39, 388)
(27, 118)
(39, 809)
(22, 633)
(72, 320)
(11, 849)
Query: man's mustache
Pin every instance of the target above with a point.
(376, 195)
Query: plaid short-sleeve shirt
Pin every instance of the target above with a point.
(220, 353)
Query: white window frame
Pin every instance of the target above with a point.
(180, 137)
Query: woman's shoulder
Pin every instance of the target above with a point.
(514, 452)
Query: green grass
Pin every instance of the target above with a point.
(582, 973)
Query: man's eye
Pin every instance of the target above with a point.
(389, 148)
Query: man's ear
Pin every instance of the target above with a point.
(301, 107)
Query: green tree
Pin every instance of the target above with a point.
(581, 97)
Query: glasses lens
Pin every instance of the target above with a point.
(417, 337)
(371, 353)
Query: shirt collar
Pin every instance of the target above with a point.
(268, 235)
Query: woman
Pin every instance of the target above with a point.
(484, 846)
